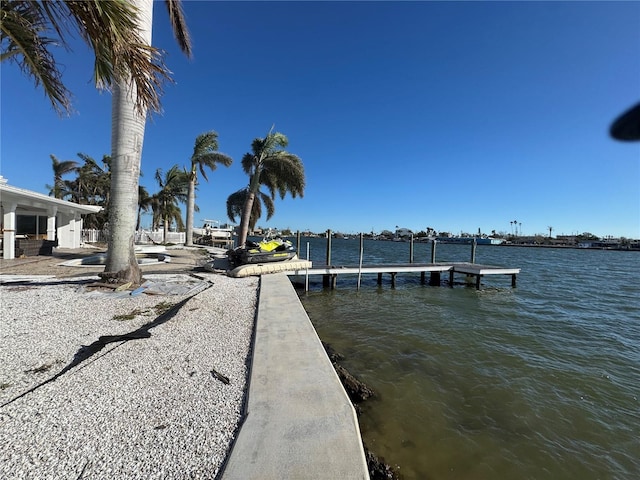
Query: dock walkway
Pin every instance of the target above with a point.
(435, 269)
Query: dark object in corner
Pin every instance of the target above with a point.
(220, 377)
(627, 126)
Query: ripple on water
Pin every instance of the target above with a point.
(541, 381)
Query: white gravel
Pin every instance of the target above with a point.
(147, 408)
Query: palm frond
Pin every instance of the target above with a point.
(26, 42)
(249, 163)
(205, 154)
(284, 173)
(235, 203)
(268, 204)
(179, 24)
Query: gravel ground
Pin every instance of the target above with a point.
(79, 401)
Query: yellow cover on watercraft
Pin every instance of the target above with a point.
(270, 245)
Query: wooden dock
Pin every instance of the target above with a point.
(330, 273)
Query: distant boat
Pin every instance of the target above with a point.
(213, 228)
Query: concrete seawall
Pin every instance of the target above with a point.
(300, 422)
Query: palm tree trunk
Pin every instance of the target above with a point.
(127, 135)
(246, 216)
(191, 202)
(165, 231)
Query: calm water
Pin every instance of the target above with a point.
(537, 382)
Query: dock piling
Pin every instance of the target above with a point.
(361, 254)
(326, 278)
(411, 249)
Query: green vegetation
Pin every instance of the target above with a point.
(268, 165)
(205, 154)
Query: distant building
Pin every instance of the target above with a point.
(32, 223)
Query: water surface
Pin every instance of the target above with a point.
(540, 381)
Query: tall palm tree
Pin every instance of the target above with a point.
(119, 33)
(204, 155)
(58, 190)
(173, 189)
(127, 135)
(269, 165)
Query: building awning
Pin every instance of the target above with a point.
(27, 199)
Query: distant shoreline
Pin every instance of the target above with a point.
(574, 247)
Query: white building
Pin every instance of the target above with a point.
(35, 217)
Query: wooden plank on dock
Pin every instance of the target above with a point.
(331, 272)
(385, 268)
(476, 269)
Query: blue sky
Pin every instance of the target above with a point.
(450, 115)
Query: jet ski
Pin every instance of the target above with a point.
(268, 250)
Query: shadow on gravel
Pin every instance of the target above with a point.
(87, 351)
(45, 283)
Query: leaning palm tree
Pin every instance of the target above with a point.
(174, 185)
(271, 166)
(58, 190)
(204, 155)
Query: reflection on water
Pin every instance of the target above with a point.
(541, 381)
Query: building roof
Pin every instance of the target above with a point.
(29, 199)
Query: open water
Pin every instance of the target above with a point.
(537, 382)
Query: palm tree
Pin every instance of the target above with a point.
(119, 33)
(59, 190)
(145, 202)
(271, 166)
(204, 155)
(173, 189)
(127, 135)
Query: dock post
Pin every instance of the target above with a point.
(433, 250)
(434, 279)
(513, 280)
(422, 278)
(361, 255)
(334, 281)
(298, 236)
(326, 278)
(393, 279)
(306, 280)
(478, 277)
(379, 278)
(474, 244)
(451, 278)
(411, 249)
